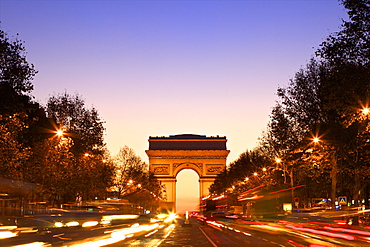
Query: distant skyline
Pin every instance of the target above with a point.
(159, 68)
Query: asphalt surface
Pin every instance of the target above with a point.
(187, 235)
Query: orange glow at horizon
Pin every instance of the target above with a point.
(187, 191)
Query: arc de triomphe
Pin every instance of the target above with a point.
(170, 155)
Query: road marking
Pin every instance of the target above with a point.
(208, 237)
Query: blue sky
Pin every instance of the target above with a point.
(158, 68)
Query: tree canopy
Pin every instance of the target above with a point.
(319, 127)
(83, 125)
(67, 164)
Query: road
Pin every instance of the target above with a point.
(224, 232)
(254, 233)
(197, 233)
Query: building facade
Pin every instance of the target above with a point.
(170, 155)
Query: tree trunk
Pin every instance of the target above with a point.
(334, 180)
(292, 185)
(366, 196)
(357, 187)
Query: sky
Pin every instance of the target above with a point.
(160, 68)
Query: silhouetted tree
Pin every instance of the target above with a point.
(18, 111)
(325, 99)
(130, 171)
(83, 125)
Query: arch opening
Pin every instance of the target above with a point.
(188, 191)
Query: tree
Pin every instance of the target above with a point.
(149, 194)
(325, 99)
(16, 73)
(351, 44)
(12, 153)
(95, 174)
(301, 102)
(298, 117)
(348, 53)
(83, 125)
(130, 171)
(29, 149)
(18, 112)
(53, 167)
(134, 182)
(63, 176)
(244, 167)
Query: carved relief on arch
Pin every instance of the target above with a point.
(214, 169)
(161, 169)
(197, 167)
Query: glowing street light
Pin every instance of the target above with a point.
(316, 140)
(365, 110)
(264, 169)
(59, 133)
(279, 161)
(255, 174)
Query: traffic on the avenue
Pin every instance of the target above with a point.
(106, 228)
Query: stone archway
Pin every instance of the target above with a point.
(170, 155)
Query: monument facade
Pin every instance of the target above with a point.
(170, 155)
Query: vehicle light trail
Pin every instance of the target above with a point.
(324, 233)
(359, 232)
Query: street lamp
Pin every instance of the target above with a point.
(59, 133)
(316, 140)
(365, 110)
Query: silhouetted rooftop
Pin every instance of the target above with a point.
(187, 136)
(187, 142)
